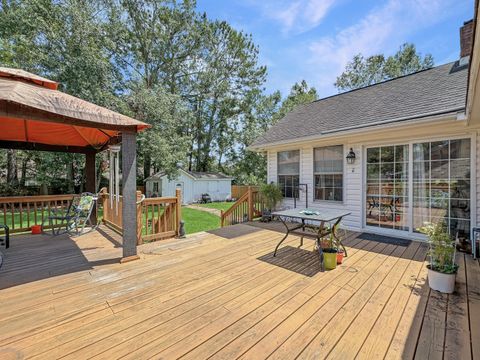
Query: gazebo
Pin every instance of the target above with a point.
(35, 115)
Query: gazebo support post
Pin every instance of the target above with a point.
(90, 174)
(129, 193)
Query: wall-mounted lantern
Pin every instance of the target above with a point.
(351, 157)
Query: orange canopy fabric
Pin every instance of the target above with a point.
(33, 111)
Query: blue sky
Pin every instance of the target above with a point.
(314, 39)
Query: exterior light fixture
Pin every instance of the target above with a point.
(351, 157)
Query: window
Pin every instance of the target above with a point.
(155, 186)
(288, 163)
(328, 173)
(441, 185)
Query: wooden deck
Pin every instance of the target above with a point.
(221, 295)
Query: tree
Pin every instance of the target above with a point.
(249, 167)
(263, 111)
(300, 93)
(198, 82)
(168, 115)
(361, 72)
(65, 41)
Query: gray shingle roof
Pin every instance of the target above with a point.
(441, 89)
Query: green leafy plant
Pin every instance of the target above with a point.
(271, 194)
(442, 248)
(332, 243)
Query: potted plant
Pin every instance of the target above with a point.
(340, 255)
(330, 254)
(271, 195)
(442, 269)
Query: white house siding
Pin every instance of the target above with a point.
(352, 184)
(353, 174)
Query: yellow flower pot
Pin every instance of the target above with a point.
(330, 260)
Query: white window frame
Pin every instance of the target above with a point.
(299, 167)
(336, 173)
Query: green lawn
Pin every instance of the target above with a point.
(197, 220)
(218, 205)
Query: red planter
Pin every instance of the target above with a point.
(340, 257)
(36, 229)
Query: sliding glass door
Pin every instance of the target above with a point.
(438, 185)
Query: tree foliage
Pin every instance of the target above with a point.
(361, 71)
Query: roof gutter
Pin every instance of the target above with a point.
(426, 117)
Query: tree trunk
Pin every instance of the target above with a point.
(23, 174)
(12, 176)
(147, 166)
(71, 176)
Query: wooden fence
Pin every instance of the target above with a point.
(249, 206)
(20, 213)
(157, 218)
(239, 190)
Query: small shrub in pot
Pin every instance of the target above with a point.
(442, 269)
(271, 195)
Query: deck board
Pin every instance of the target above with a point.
(222, 295)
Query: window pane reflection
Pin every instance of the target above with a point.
(441, 185)
(387, 187)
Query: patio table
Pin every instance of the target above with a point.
(312, 224)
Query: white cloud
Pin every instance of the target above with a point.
(382, 30)
(297, 16)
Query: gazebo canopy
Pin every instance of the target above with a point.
(35, 115)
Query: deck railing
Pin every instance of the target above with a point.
(157, 218)
(239, 190)
(20, 213)
(249, 206)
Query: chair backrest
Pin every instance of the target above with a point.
(83, 205)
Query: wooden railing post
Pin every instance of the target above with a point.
(222, 219)
(250, 204)
(178, 195)
(139, 218)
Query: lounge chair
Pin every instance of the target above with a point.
(77, 217)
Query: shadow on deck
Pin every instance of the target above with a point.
(32, 258)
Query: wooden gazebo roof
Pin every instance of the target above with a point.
(35, 115)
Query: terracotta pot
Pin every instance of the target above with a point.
(340, 255)
(444, 283)
(330, 260)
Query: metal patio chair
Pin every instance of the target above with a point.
(77, 217)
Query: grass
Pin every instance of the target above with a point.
(218, 205)
(197, 220)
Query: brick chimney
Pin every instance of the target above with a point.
(466, 38)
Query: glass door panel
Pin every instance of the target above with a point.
(441, 185)
(387, 187)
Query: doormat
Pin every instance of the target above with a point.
(385, 239)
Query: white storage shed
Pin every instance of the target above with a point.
(192, 183)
